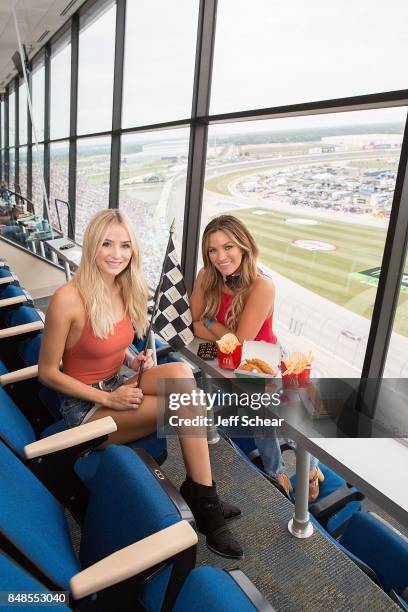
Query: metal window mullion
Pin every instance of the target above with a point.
(73, 121)
(114, 182)
(386, 302)
(198, 139)
(6, 137)
(16, 131)
(1, 138)
(46, 160)
(29, 193)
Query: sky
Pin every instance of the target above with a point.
(267, 53)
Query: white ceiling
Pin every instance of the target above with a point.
(34, 18)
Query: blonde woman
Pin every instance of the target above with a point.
(232, 295)
(90, 323)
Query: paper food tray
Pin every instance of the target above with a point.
(254, 349)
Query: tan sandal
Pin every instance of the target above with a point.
(315, 477)
(285, 483)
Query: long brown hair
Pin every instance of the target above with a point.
(212, 279)
(96, 295)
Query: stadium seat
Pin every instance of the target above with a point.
(384, 549)
(131, 507)
(336, 502)
(13, 580)
(7, 278)
(17, 431)
(206, 588)
(19, 324)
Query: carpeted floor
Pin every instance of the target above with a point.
(292, 574)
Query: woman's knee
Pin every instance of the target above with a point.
(179, 369)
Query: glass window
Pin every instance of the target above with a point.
(152, 191)
(59, 171)
(93, 174)
(316, 192)
(12, 119)
(60, 69)
(95, 75)
(159, 61)
(12, 165)
(22, 103)
(282, 53)
(38, 100)
(37, 184)
(23, 170)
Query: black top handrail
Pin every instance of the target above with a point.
(30, 204)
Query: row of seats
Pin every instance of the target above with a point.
(138, 542)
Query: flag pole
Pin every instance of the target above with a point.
(156, 300)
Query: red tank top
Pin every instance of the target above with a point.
(92, 359)
(265, 333)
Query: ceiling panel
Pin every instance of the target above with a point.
(34, 18)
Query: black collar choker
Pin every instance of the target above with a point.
(233, 281)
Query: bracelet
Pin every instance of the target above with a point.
(210, 323)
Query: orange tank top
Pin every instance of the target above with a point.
(92, 359)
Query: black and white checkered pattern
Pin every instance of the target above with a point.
(173, 320)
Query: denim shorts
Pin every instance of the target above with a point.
(76, 411)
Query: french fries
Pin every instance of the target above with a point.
(296, 363)
(228, 343)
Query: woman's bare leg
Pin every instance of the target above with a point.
(142, 421)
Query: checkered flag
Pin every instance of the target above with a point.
(173, 320)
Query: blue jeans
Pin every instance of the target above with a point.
(77, 411)
(270, 452)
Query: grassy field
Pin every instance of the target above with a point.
(327, 273)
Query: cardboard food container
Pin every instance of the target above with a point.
(229, 361)
(254, 349)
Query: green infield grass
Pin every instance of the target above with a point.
(326, 273)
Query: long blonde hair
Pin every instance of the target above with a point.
(212, 279)
(95, 293)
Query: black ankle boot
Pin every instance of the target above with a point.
(206, 508)
(229, 511)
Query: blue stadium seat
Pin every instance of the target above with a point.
(385, 550)
(13, 291)
(219, 590)
(206, 588)
(18, 431)
(128, 502)
(13, 579)
(336, 502)
(23, 314)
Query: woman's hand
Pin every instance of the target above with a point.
(126, 397)
(146, 359)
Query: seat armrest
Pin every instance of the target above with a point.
(4, 280)
(17, 330)
(17, 299)
(19, 375)
(133, 559)
(70, 438)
